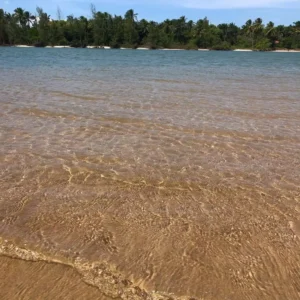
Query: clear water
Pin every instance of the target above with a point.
(174, 173)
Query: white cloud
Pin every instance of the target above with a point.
(229, 4)
(83, 5)
(201, 4)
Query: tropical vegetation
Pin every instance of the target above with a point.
(104, 29)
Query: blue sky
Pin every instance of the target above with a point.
(217, 11)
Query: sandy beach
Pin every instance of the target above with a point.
(165, 49)
(23, 46)
(286, 51)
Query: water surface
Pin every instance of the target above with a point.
(153, 174)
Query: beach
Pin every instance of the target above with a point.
(124, 175)
(168, 49)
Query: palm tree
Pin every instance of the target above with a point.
(29, 18)
(271, 33)
(249, 30)
(258, 25)
(297, 26)
(269, 28)
(224, 31)
(43, 26)
(253, 28)
(181, 27)
(130, 15)
(130, 30)
(24, 20)
(143, 29)
(201, 32)
(83, 26)
(2, 27)
(19, 15)
(10, 27)
(117, 38)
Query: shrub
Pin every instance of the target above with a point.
(263, 45)
(39, 44)
(222, 46)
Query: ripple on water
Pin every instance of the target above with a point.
(150, 182)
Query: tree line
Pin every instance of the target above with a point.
(104, 29)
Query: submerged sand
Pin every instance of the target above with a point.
(181, 182)
(20, 279)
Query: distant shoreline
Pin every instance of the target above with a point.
(162, 49)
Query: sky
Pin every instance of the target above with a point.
(217, 11)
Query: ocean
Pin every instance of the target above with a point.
(130, 174)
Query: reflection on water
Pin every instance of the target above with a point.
(150, 175)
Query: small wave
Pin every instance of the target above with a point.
(42, 113)
(101, 275)
(81, 97)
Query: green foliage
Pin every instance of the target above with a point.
(104, 29)
(192, 45)
(222, 46)
(263, 44)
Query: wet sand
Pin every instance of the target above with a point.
(21, 279)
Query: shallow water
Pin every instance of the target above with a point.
(153, 174)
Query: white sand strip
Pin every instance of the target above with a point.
(165, 49)
(286, 51)
(243, 50)
(23, 46)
